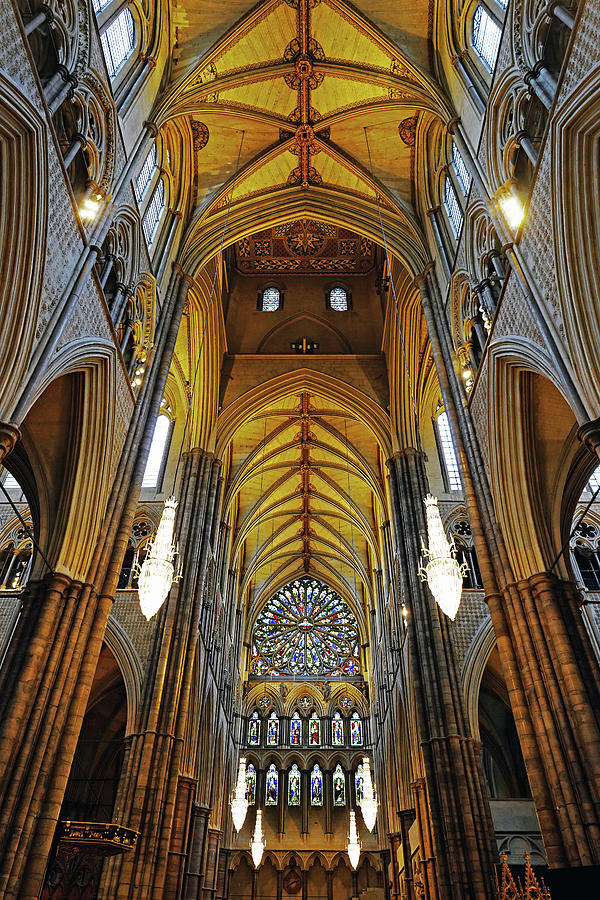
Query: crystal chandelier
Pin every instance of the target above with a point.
(239, 801)
(353, 846)
(158, 572)
(368, 804)
(443, 573)
(257, 844)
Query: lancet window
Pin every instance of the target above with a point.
(316, 786)
(254, 730)
(296, 729)
(486, 37)
(273, 729)
(314, 730)
(337, 730)
(294, 786)
(359, 782)
(118, 41)
(251, 784)
(156, 457)
(154, 211)
(356, 735)
(272, 786)
(146, 173)
(452, 207)
(448, 454)
(339, 786)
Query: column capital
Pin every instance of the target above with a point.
(152, 127)
(589, 434)
(10, 434)
(421, 278)
(453, 124)
(187, 279)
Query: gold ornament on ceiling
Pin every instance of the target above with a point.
(407, 130)
(200, 134)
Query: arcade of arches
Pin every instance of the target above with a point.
(299, 263)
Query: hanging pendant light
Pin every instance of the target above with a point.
(239, 801)
(353, 846)
(257, 844)
(443, 573)
(157, 572)
(369, 802)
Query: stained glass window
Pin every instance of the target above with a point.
(339, 786)
(294, 786)
(356, 738)
(146, 173)
(486, 37)
(337, 730)
(270, 300)
(305, 629)
(338, 299)
(273, 729)
(296, 729)
(254, 730)
(251, 784)
(314, 730)
(272, 786)
(316, 786)
(117, 41)
(359, 782)
(445, 436)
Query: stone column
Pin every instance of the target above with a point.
(213, 844)
(9, 435)
(465, 849)
(182, 823)
(195, 854)
(395, 842)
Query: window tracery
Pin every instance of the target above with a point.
(137, 547)
(305, 629)
(585, 550)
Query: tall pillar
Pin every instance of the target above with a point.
(211, 865)
(51, 661)
(463, 836)
(195, 854)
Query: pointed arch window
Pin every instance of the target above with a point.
(460, 168)
(448, 454)
(339, 786)
(254, 730)
(356, 735)
(296, 729)
(316, 786)
(273, 730)
(452, 207)
(314, 730)
(338, 299)
(158, 452)
(154, 211)
(146, 173)
(486, 37)
(270, 299)
(272, 786)
(359, 784)
(118, 41)
(251, 784)
(99, 5)
(592, 485)
(337, 730)
(588, 564)
(294, 786)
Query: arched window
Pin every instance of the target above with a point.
(339, 786)
(272, 786)
(146, 173)
(359, 783)
(337, 730)
(270, 299)
(486, 37)
(296, 729)
(588, 563)
(157, 456)
(250, 784)
(99, 5)
(254, 730)
(294, 786)
(356, 735)
(273, 729)
(118, 41)
(337, 299)
(154, 210)
(452, 207)
(284, 644)
(465, 553)
(314, 730)
(448, 455)
(462, 173)
(316, 786)
(592, 485)
(135, 554)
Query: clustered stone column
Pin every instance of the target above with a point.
(457, 806)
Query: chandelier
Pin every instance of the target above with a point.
(368, 804)
(239, 801)
(353, 846)
(443, 573)
(157, 572)
(257, 844)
